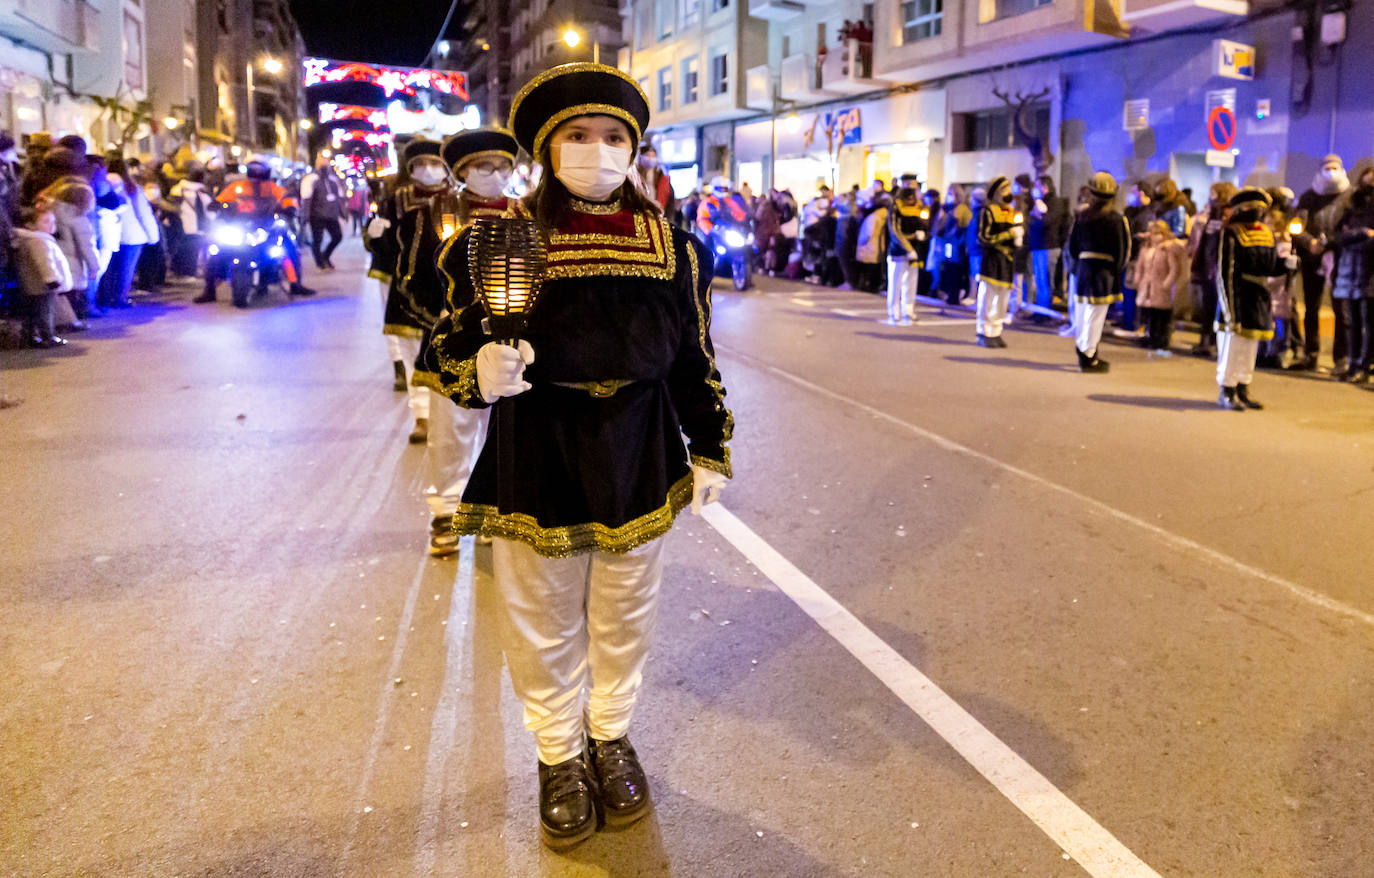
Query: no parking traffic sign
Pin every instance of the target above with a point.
(1221, 128)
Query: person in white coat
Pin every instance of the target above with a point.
(194, 208)
(137, 227)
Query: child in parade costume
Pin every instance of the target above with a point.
(1247, 258)
(383, 262)
(1099, 246)
(482, 160)
(615, 366)
(999, 237)
(909, 242)
(409, 229)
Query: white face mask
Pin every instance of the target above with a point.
(428, 174)
(592, 170)
(486, 182)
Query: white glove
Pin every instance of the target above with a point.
(501, 369)
(706, 487)
(1018, 234)
(920, 236)
(1040, 207)
(1291, 262)
(377, 227)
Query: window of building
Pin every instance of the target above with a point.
(667, 11)
(644, 85)
(133, 51)
(989, 10)
(720, 74)
(691, 13)
(690, 75)
(786, 45)
(921, 19)
(996, 128)
(644, 26)
(665, 89)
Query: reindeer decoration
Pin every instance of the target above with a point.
(1036, 144)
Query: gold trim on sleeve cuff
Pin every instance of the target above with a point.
(715, 466)
(382, 276)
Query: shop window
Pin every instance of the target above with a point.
(720, 74)
(921, 19)
(996, 128)
(665, 89)
(690, 75)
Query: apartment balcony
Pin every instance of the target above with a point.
(758, 88)
(776, 10)
(849, 69)
(1161, 15)
(52, 25)
(799, 79)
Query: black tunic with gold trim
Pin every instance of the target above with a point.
(1099, 246)
(419, 217)
(1246, 261)
(623, 367)
(426, 372)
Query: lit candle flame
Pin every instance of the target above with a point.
(1295, 227)
(1019, 218)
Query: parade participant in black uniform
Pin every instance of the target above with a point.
(413, 227)
(908, 243)
(1099, 247)
(615, 366)
(1246, 260)
(482, 161)
(999, 237)
(380, 245)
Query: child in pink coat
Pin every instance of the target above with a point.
(1160, 272)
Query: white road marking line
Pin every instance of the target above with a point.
(445, 724)
(383, 714)
(1084, 839)
(1311, 596)
(807, 302)
(855, 312)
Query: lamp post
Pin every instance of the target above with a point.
(792, 123)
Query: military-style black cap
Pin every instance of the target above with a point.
(418, 147)
(466, 146)
(1251, 196)
(560, 93)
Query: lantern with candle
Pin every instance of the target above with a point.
(506, 260)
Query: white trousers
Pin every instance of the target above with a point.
(406, 349)
(575, 624)
(992, 308)
(456, 435)
(1088, 320)
(901, 288)
(1071, 298)
(1235, 359)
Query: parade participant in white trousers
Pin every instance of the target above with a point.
(1247, 258)
(584, 467)
(908, 229)
(482, 161)
(1099, 246)
(999, 237)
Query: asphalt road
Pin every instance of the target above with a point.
(964, 612)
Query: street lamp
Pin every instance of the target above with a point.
(572, 39)
(306, 124)
(272, 65)
(171, 123)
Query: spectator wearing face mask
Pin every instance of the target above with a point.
(1352, 282)
(1317, 210)
(1049, 226)
(948, 251)
(656, 181)
(322, 196)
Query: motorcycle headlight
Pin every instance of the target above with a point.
(229, 236)
(276, 251)
(257, 236)
(734, 238)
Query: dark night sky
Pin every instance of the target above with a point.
(397, 32)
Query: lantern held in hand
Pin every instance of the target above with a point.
(506, 260)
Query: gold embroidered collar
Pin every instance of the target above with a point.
(595, 208)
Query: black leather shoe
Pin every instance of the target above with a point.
(1227, 400)
(400, 384)
(1091, 364)
(623, 787)
(567, 803)
(998, 342)
(1243, 397)
(984, 341)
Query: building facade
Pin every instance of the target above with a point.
(954, 90)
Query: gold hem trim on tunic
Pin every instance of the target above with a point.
(575, 539)
(400, 329)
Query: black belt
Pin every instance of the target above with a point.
(598, 389)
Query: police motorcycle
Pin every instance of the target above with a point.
(251, 253)
(733, 244)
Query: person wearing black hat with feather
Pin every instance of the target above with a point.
(408, 232)
(481, 160)
(1099, 246)
(999, 236)
(1246, 260)
(624, 368)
